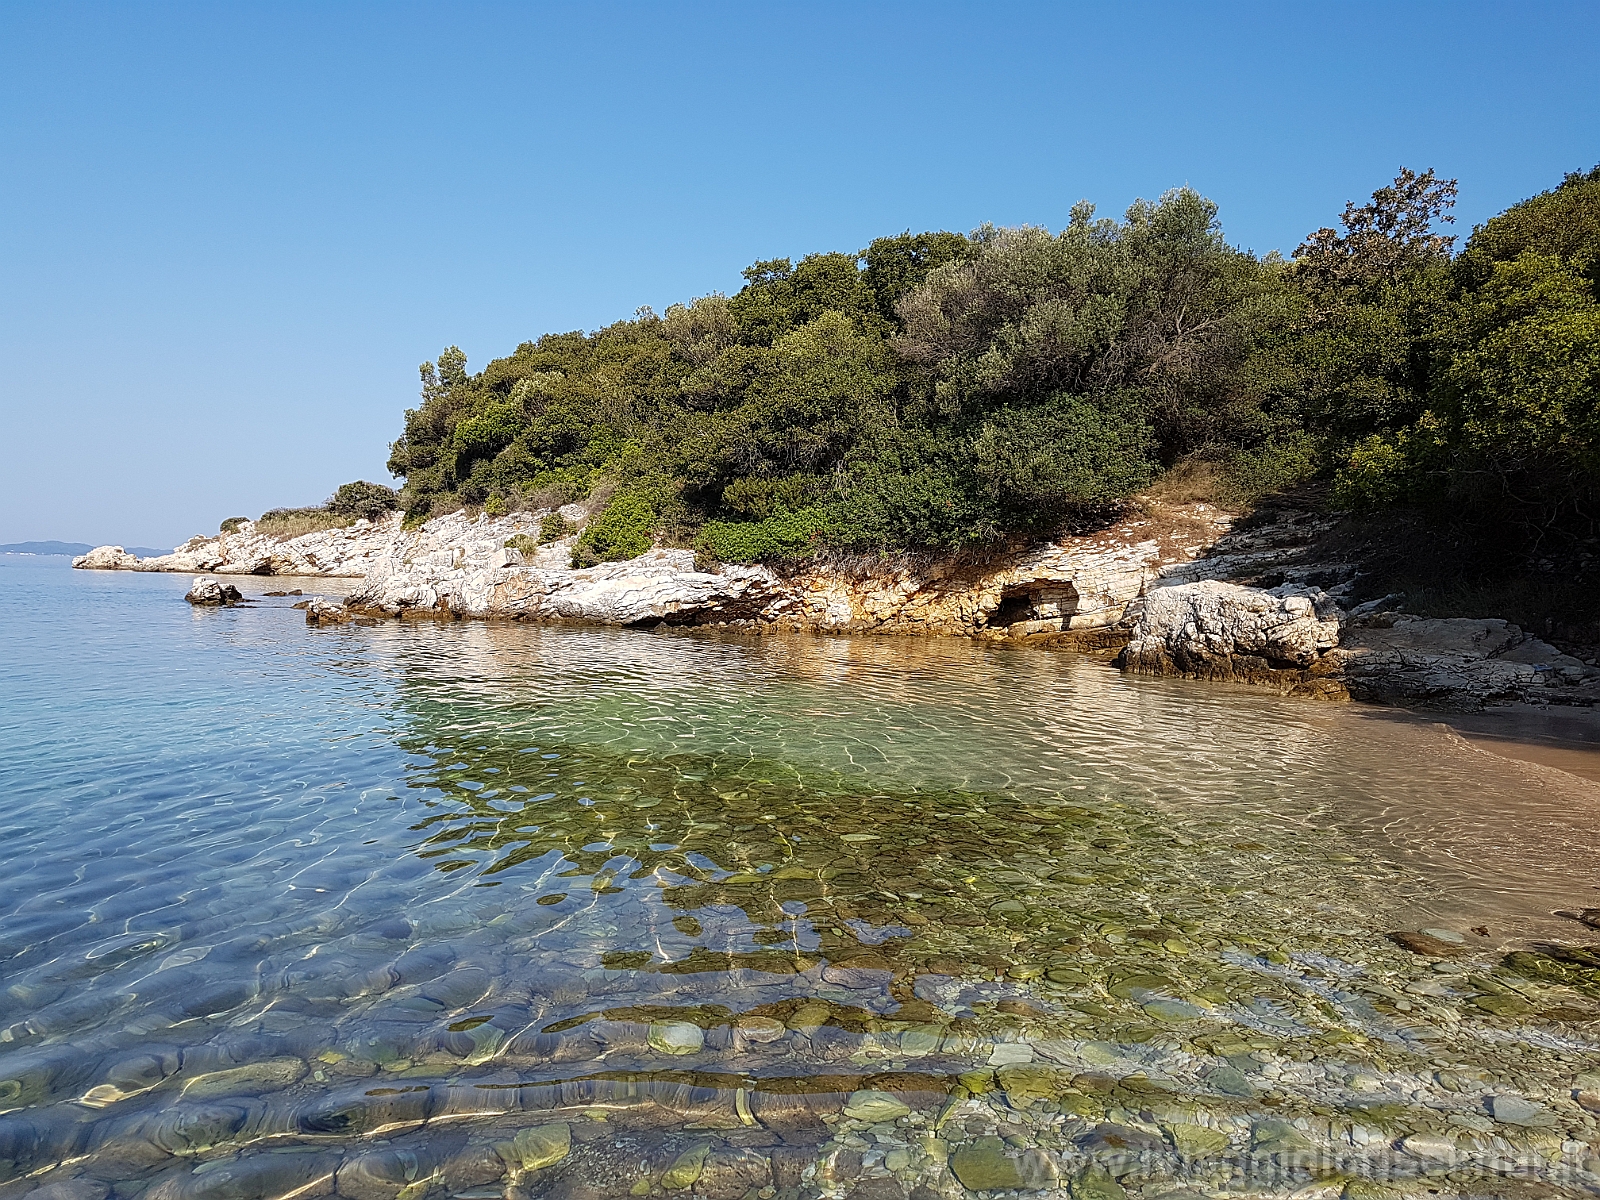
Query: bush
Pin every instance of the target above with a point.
(1275, 467)
(785, 535)
(231, 525)
(362, 500)
(522, 543)
(1376, 474)
(621, 532)
(553, 528)
(1038, 463)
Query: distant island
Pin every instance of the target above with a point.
(68, 549)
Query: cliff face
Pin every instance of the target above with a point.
(1170, 590)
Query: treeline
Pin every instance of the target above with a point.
(939, 391)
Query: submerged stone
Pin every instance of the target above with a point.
(1511, 1109)
(252, 1077)
(1196, 1141)
(540, 1146)
(988, 1164)
(677, 1037)
(1024, 1083)
(686, 1169)
(1230, 1082)
(875, 1106)
(761, 1029)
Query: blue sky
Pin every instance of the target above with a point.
(230, 232)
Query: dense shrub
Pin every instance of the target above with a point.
(522, 543)
(621, 531)
(231, 524)
(553, 527)
(784, 535)
(362, 500)
(938, 391)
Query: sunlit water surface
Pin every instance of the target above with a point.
(415, 910)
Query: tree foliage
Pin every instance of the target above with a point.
(939, 390)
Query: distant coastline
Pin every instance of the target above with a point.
(67, 549)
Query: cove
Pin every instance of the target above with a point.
(491, 910)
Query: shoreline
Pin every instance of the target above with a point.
(1557, 737)
(1182, 590)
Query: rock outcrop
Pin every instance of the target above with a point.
(212, 591)
(344, 552)
(662, 586)
(1177, 589)
(1277, 636)
(1457, 664)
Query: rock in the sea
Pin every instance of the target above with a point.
(676, 1037)
(875, 1106)
(106, 558)
(1226, 631)
(212, 591)
(1426, 944)
(323, 611)
(540, 1146)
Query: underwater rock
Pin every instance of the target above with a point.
(296, 1173)
(384, 1174)
(879, 1187)
(875, 1106)
(364, 1110)
(1511, 1109)
(730, 1172)
(71, 1189)
(1426, 944)
(252, 1077)
(988, 1164)
(540, 1146)
(677, 1037)
(687, 1168)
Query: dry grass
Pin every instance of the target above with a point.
(1197, 481)
(284, 524)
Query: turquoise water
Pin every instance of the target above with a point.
(484, 910)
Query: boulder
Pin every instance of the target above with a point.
(323, 611)
(1227, 631)
(212, 591)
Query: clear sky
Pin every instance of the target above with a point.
(230, 232)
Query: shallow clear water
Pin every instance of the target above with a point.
(480, 910)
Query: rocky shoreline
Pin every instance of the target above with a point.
(1171, 589)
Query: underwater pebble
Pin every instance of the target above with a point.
(677, 1037)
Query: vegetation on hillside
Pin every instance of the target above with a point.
(940, 391)
(352, 502)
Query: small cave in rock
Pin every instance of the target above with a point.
(1041, 600)
(1015, 605)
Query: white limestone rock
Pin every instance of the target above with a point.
(1196, 627)
(106, 558)
(477, 581)
(212, 591)
(1454, 663)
